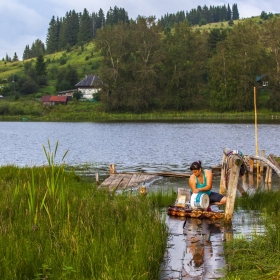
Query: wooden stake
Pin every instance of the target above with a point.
(269, 177)
(223, 175)
(96, 178)
(251, 165)
(256, 126)
(262, 163)
(112, 168)
(232, 187)
(251, 180)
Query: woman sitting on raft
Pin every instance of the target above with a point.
(201, 181)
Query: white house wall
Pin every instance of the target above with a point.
(88, 93)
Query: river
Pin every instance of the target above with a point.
(131, 146)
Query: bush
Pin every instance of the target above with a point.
(29, 86)
(4, 107)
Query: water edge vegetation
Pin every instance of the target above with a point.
(33, 110)
(258, 258)
(55, 224)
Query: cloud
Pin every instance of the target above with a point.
(24, 21)
(20, 26)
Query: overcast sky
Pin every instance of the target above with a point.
(24, 21)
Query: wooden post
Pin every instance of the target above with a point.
(112, 168)
(269, 175)
(251, 165)
(251, 180)
(223, 175)
(266, 174)
(256, 127)
(232, 187)
(262, 163)
(96, 178)
(268, 162)
(241, 190)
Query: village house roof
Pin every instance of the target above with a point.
(54, 99)
(46, 98)
(58, 99)
(89, 81)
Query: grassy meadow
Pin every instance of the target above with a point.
(260, 257)
(32, 109)
(55, 224)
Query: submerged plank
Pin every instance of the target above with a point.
(125, 182)
(134, 182)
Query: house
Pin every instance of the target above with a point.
(262, 80)
(69, 93)
(89, 86)
(54, 100)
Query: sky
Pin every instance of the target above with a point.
(24, 21)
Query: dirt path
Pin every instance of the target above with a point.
(195, 249)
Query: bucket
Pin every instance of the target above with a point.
(199, 200)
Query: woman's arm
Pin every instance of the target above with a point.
(192, 184)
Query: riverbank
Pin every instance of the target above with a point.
(30, 110)
(58, 225)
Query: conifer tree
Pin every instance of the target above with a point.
(86, 28)
(40, 66)
(235, 13)
(52, 36)
(26, 53)
(228, 13)
(15, 58)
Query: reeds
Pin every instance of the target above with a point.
(56, 225)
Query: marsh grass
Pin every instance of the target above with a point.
(258, 258)
(57, 225)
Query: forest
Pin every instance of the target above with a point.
(144, 68)
(153, 65)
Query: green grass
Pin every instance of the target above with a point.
(94, 111)
(260, 257)
(55, 224)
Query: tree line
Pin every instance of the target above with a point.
(201, 15)
(74, 29)
(146, 69)
(80, 28)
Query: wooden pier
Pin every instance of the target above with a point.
(127, 181)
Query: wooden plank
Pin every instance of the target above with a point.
(142, 178)
(107, 182)
(115, 183)
(125, 181)
(134, 181)
(172, 174)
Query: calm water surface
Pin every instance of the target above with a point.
(133, 146)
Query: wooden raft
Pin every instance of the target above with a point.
(123, 181)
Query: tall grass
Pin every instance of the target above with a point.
(260, 257)
(56, 225)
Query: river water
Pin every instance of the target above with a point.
(133, 146)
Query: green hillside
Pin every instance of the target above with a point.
(85, 60)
